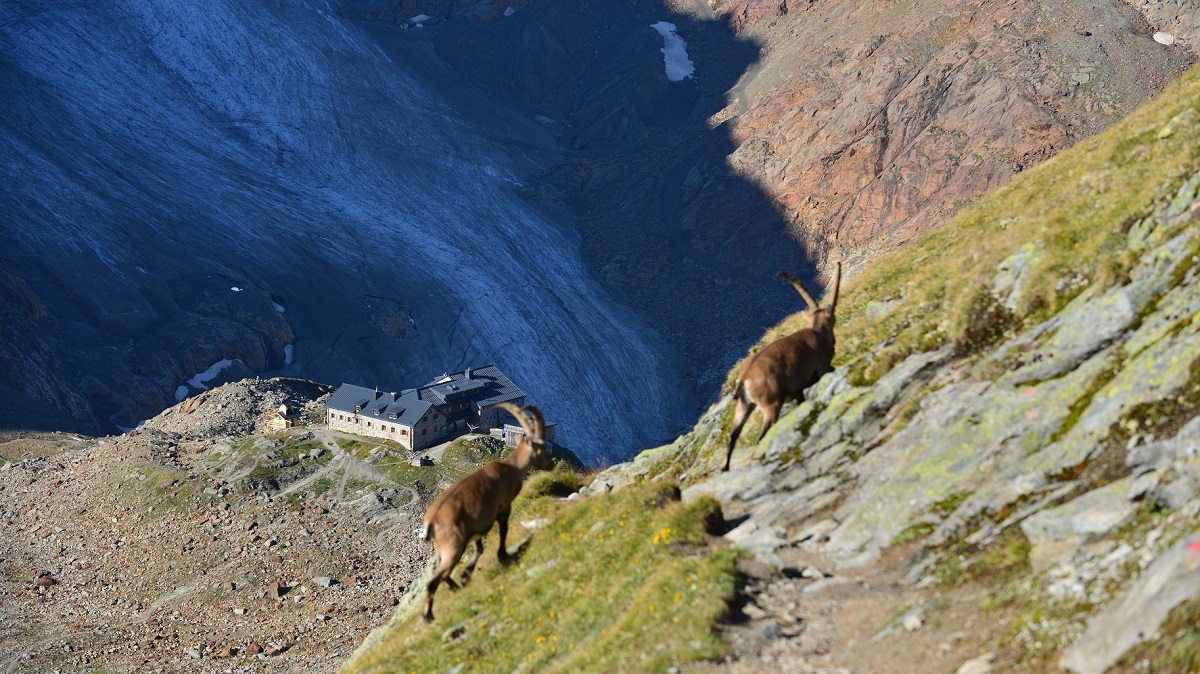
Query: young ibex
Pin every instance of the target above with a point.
(467, 509)
(785, 367)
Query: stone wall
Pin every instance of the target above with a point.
(430, 430)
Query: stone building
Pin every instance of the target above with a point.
(443, 409)
(284, 417)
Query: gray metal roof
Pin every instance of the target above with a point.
(486, 386)
(407, 406)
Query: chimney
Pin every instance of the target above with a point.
(467, 374)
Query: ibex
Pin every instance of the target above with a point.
(786, 367)
(467, 509)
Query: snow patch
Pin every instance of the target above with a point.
(278, 307)
(679, 66)
(181, 393)
(126, 429)
(420, 20)
(208, 375)
(289, 354)
(509, 11)
(236, 289)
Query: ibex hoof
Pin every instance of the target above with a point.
(428, 617)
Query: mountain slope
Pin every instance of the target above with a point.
(1003, 468)
(263, 182)
(508, 182)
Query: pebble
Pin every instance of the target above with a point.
(979, 665)
(754, 612)
(771, 630)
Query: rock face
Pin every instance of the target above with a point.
(867, 129)
(1178, 18)
(1174, 579)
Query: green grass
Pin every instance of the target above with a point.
(622, 582)
(561, 482)
(151, 494)
(1178, 650)
(468, 453)
(1001, 563)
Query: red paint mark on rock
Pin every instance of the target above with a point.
(1195, 546)
(1029, 391)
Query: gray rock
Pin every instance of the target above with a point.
(909, 621)
(1182, 486)
(953, 446)
(1088, 325)
(1013, 272)
(1136, 616)
(816, 531)
(1056, 533)
(771, 630)
(979, 665)
(323, 581)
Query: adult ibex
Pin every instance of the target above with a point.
(786, 367)
(467, 509)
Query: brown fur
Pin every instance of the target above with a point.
(467, 509)
(785, 367)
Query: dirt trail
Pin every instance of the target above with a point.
(812, 619)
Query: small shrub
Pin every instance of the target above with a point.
(559, 483)
(984, 322)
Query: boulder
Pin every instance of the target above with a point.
(1136, 616)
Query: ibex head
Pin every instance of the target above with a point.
(533, 451)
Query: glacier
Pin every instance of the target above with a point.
(276, 146)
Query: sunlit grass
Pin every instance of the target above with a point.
(622, 582)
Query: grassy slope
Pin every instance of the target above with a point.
(594, 591)
(615, 583)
